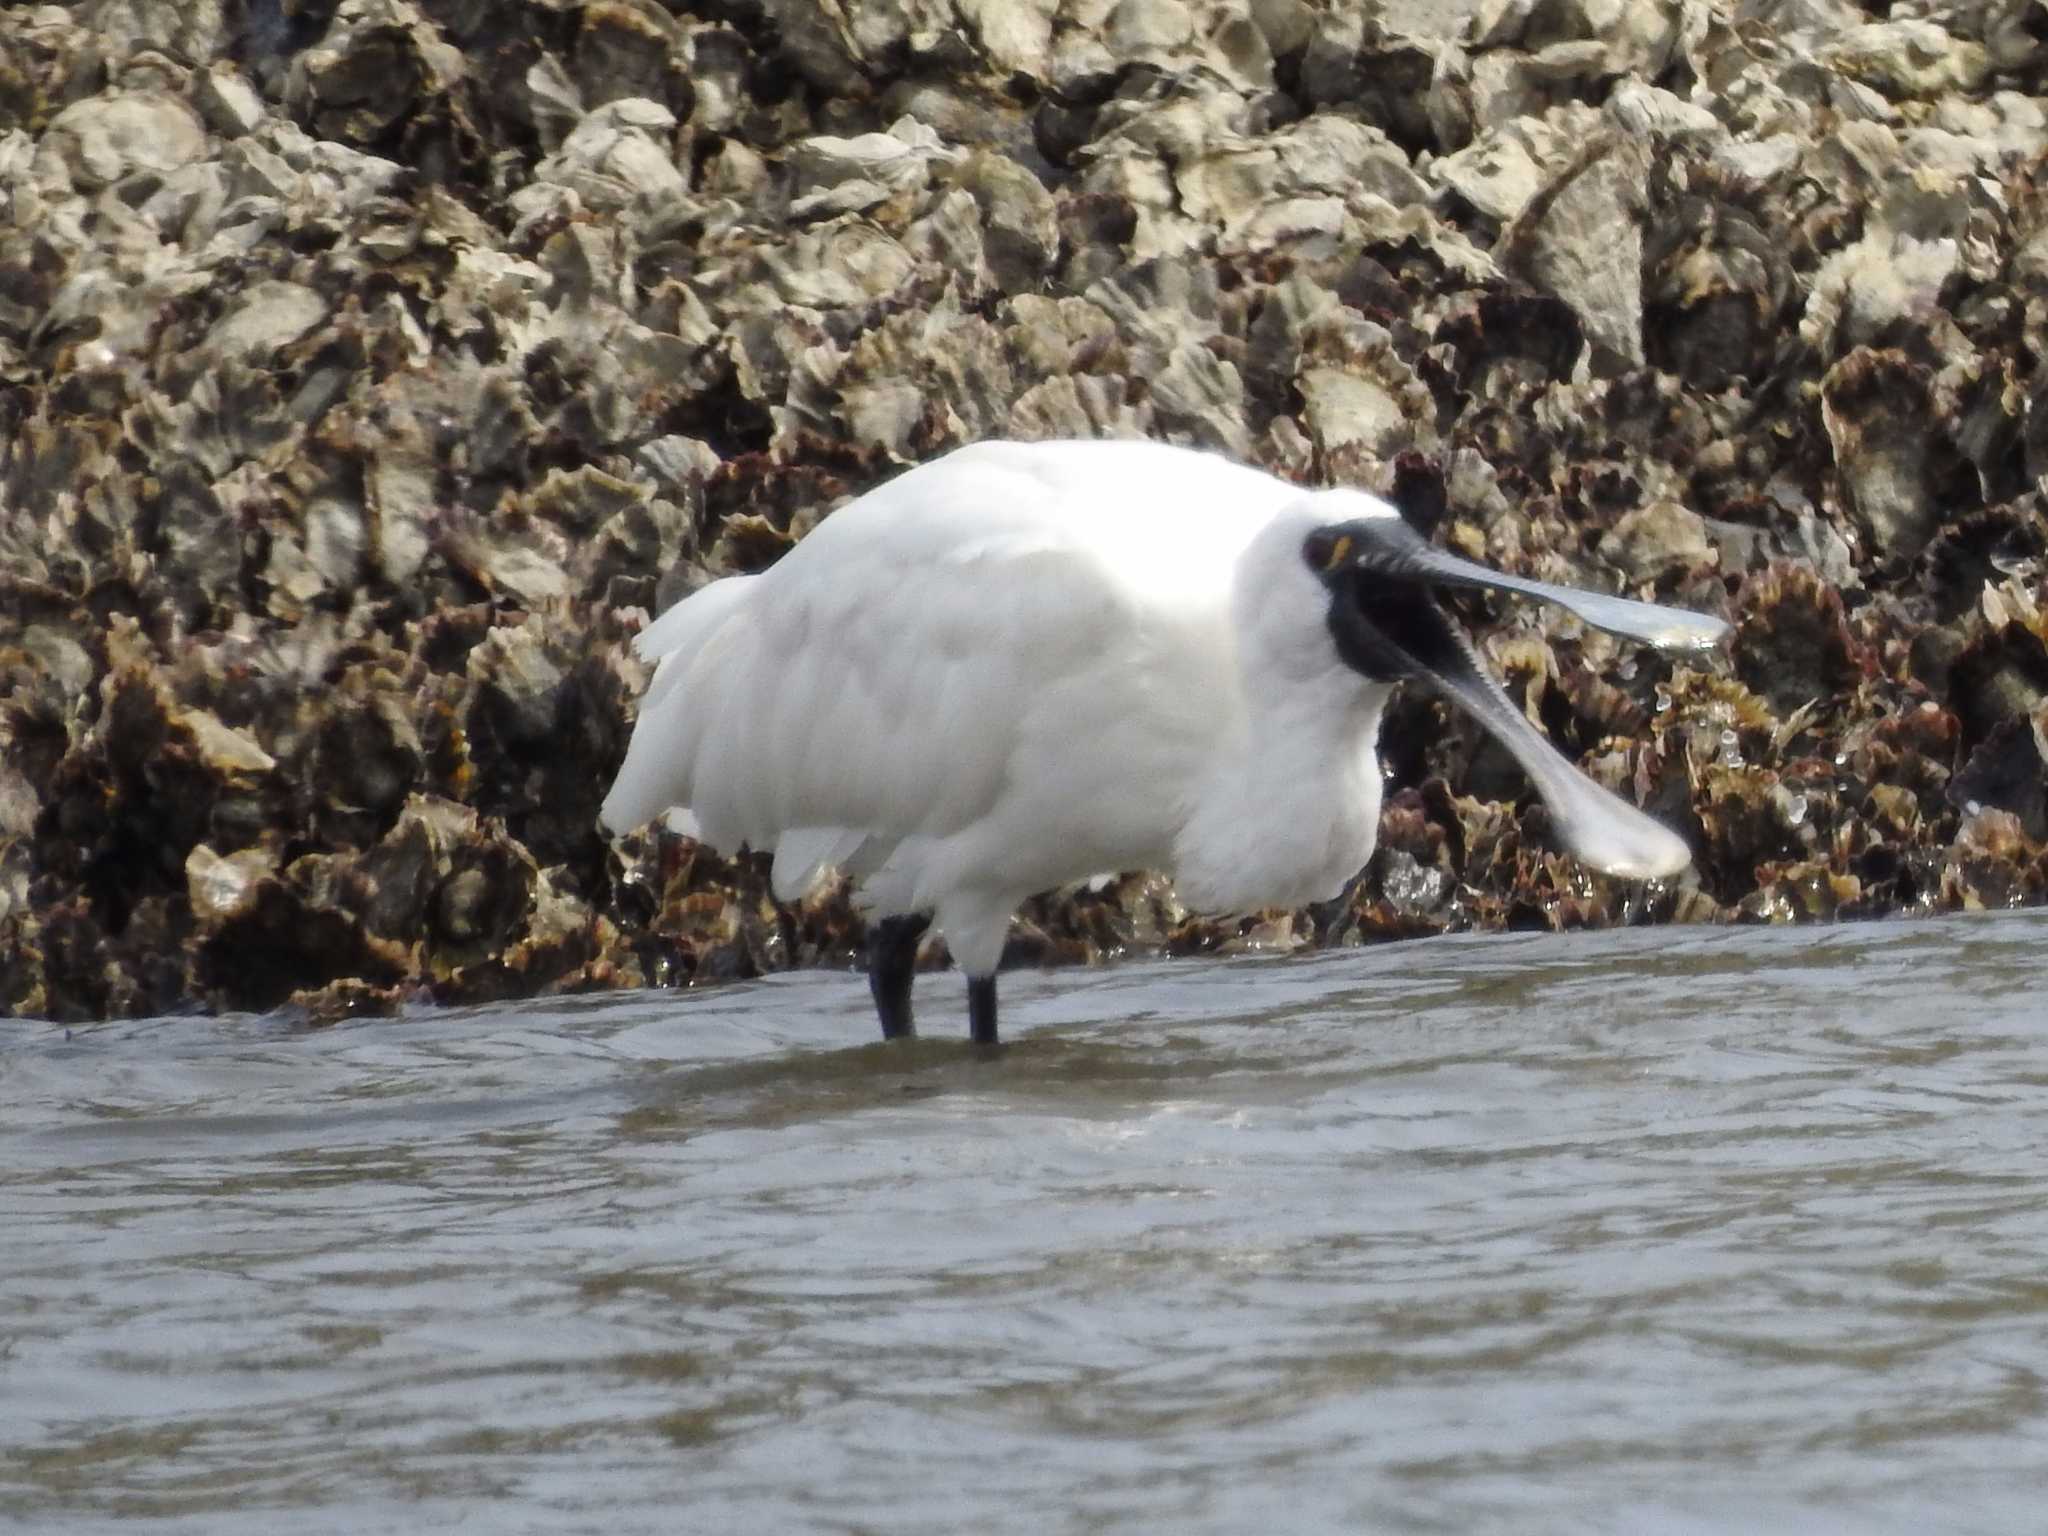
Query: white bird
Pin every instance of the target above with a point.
(1025, 664)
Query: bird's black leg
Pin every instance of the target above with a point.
(981, 1009)
(892, 967)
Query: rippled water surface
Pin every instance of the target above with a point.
(1685, 1230)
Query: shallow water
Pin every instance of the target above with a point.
(1685, 1230)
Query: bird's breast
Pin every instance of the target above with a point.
(1289, 818)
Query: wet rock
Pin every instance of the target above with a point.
(833, 175)
(1908, 58)
(616, 158)
(1796, 646)
(379, 64)
(1356, 392)
(1801, 891)
(1982, 549)
(1865, 292)
(221, 889)
(1019, 218)
(1658, 540)
(1878, 410)
(1993, 864)
(230, 105)
(367, 760)
(2008, 772)
(478, 906)
(283, 937)
(272, 316)
(1581, 239)
(106, 139)
(2000, 671)
(1717, 280)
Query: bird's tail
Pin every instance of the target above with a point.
(655, 778)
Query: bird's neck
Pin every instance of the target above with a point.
(1291, 811)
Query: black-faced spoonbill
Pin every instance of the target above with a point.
(1024, 664)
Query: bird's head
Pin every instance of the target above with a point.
(1381, 578)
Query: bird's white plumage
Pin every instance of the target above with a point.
(1024, 664)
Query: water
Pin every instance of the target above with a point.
(1694, 1230)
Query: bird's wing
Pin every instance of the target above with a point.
(883, 677)
(650, 782)
(889, 695)
(804, 854)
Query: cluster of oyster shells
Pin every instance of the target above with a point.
(369, 369)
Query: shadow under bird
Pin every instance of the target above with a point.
(1026, 664)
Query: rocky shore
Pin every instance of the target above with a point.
(370, 371)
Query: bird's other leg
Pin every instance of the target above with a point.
(892, 967)
(981, 1009)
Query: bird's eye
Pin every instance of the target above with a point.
(1325, 550)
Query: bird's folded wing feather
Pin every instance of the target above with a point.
(881, 677)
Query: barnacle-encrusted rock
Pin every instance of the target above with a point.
(1793, 641)
(1993, 863)
(1581, 239)
(1878, 408)
(373, 369)
(1717, 278)
(2008, 771)
(1656, 540)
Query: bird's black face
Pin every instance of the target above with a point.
(1383, 611)
(1383, 577)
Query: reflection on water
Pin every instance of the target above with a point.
(1694, 1230)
